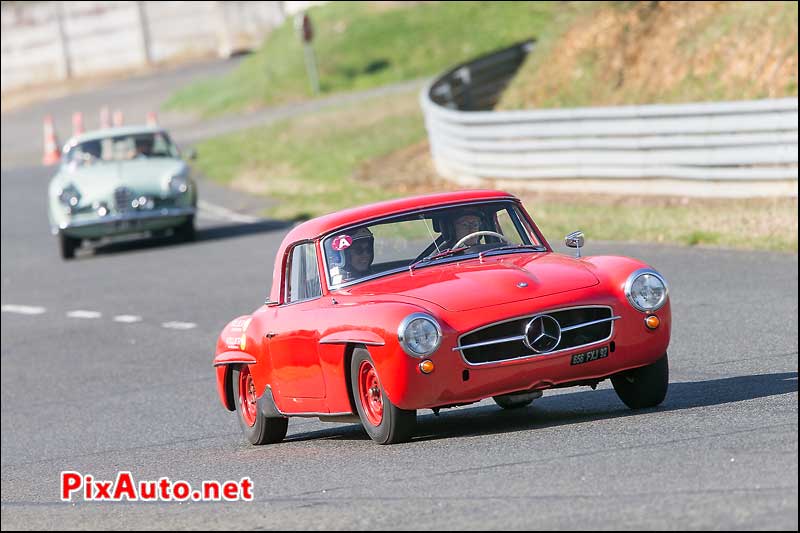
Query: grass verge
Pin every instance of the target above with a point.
(309, 164)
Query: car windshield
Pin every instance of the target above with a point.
(121, 148)
(430, 237)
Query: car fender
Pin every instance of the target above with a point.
(372, 325)
(378, 322)
(232, 346)
(613, 270)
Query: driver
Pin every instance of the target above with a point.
(144, 147)
(359, 255)
(464, 223)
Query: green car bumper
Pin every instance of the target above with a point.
(95, 227)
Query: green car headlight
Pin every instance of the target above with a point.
(70, 196)
(178, 184)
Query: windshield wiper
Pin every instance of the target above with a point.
(440, 255)
(531, 247)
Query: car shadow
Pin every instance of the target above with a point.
(205, 234)
(575, 408)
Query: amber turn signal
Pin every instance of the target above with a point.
(426, 367)
(652, 322)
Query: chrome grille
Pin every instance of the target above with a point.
(504, 341)
(123, 197)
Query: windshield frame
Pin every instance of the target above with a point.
(531, 230)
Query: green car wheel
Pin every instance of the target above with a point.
(67, 246)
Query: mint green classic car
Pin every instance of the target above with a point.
(119, 181)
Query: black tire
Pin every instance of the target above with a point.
(396, 425)
(516, 401)
(186, 231)
(67, 246)
(645, 386)
(264, 430)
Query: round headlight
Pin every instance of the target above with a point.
(178, 184)
(69, 196)
(419, 334)
(646, 290)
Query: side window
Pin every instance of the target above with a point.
(302, 275)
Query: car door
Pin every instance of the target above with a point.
(294, 334)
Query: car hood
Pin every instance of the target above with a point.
(473, 284)
(147, 176)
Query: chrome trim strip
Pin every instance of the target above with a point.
(528, 357)
(131, 216)
(347, 341)
(487, 343)
(592, 323)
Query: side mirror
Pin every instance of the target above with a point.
(575, 240)
(191, 153)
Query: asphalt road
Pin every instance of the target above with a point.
(106, 366)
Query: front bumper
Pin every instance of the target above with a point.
(121, 223)
(454, 381)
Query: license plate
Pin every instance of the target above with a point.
(591, 355)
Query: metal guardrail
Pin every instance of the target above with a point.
(720, 141)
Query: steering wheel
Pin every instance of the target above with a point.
(465, 238)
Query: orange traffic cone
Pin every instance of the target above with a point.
(77, 123)
(52, 155)
(152, 119)
(117, 118)
(105, 117)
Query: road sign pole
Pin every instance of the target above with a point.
(303, 24)
(311, 67)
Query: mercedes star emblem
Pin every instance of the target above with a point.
(542, 334)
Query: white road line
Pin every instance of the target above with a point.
(218, 212)
(179, 325)
(23, 309)
(127, 319)
(80, 313)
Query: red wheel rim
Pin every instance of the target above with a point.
(247, 397)
(369, 392)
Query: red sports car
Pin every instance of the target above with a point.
(432, 302)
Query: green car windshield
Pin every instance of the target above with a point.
(122, 148)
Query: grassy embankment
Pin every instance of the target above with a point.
(359, 45)
(376, 150)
